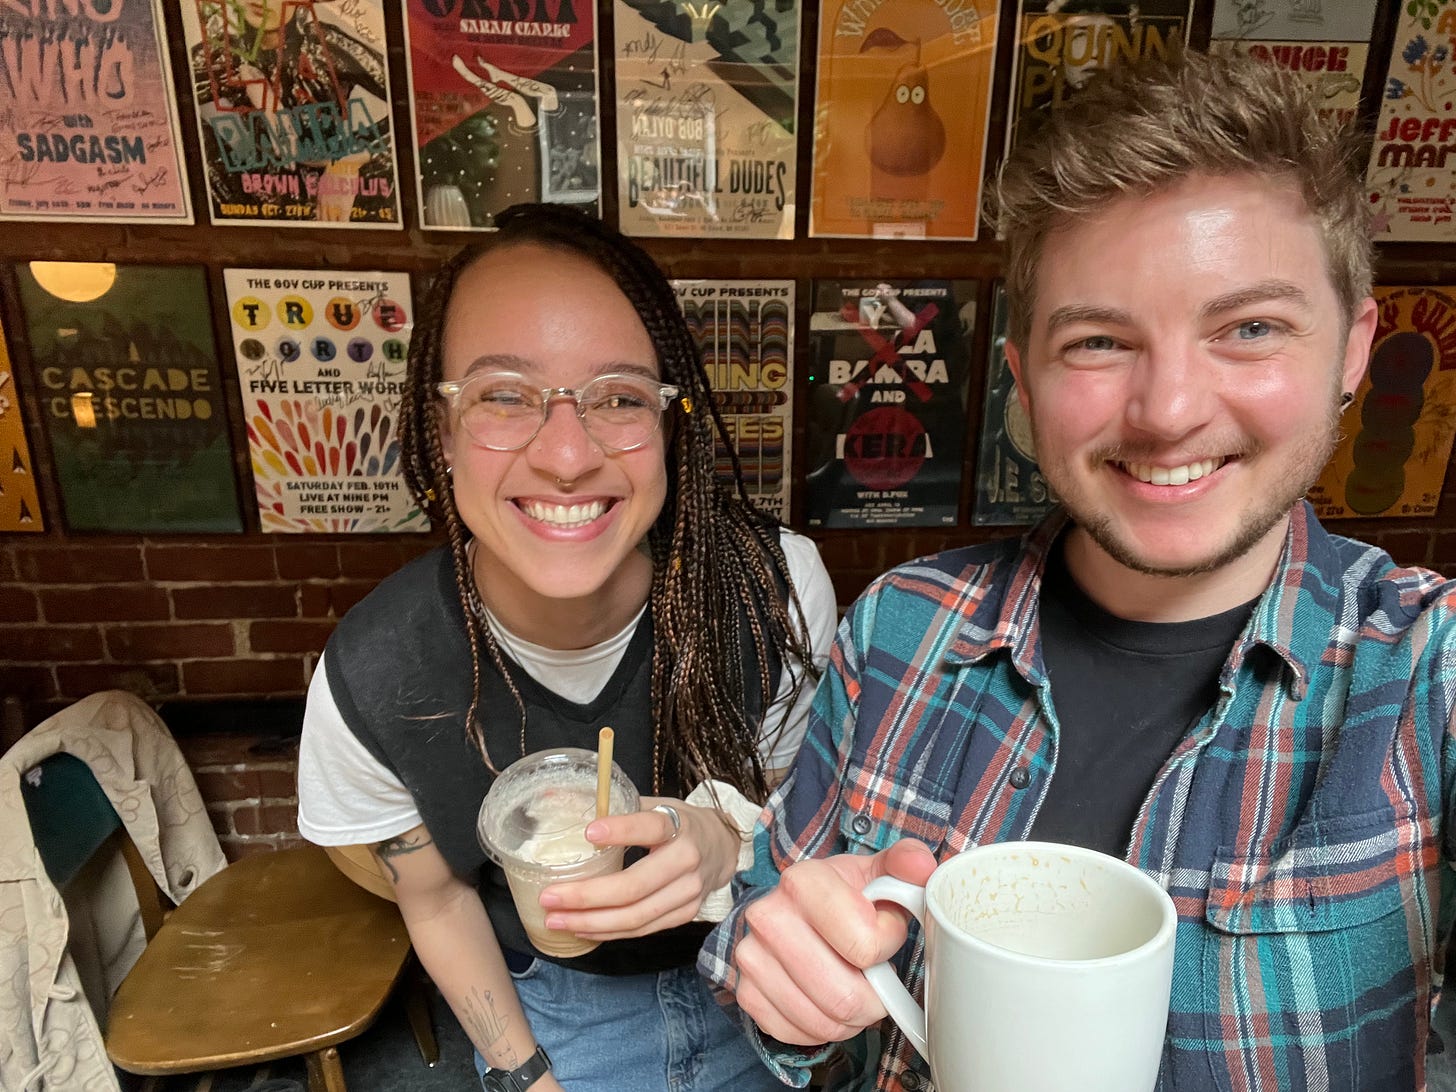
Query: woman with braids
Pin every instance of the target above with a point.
(557, 424)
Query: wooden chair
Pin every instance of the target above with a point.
(277, 955)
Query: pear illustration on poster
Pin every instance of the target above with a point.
(905, 138)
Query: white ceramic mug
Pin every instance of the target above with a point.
(1048, 968)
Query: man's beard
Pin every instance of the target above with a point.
(1309, 462)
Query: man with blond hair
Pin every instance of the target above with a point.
(1181, 666)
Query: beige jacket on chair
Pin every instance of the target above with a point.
(50, 1039)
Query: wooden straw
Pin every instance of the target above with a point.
(604, 771)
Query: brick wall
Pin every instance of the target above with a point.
(249, 784)
(167, 618)
(205, 618)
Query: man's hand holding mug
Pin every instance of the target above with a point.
(1048, 966)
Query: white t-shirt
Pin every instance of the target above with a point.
(348, 797)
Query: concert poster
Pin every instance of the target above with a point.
(1060, 43)
(901, 113)
(1411, 178)
(19, 498)
(293, 111)
(706, 105)
(745, 332)
(321, 363)
(888, 387)
(1396, 443)
(91, 127)
(1323, 42)
(126, 373)
(1010, 487)
(504, 108)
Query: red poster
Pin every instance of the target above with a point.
(504, 102)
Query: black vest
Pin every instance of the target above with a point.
(399, 671)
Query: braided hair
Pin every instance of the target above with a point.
(713, 552)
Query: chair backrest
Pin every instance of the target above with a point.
(70, 816)
(71, 820)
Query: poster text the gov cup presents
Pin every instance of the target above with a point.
(321, 363)
(888, 384)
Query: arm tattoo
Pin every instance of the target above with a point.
(488, 1028)
(398, 847)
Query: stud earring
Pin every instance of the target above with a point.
(1345, 399)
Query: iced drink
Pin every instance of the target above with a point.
(533, 824)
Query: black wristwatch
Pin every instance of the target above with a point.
(520, 1078)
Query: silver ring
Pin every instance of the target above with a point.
(671, 812)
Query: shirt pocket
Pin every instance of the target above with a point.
(1336, 873)
(1305, 968)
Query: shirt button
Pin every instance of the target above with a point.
(860, 824)
(910, 1081)
(1020, 777)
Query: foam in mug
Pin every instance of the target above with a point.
(533, 824)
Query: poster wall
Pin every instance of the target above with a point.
(1412, 173)
(706, 103)
(900, 118)
(888, 385)
(1010, 488)
(131, 397)
(90, 121)
(745, 332)
(19, 500)
(321, 363)
(1397, 438)
(504, 109)
(1060, 43)
(293, 111)
(1325, 44)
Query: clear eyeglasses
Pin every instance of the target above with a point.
(504, 411)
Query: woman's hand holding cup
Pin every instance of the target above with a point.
(686, 859)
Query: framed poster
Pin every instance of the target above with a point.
(321, 362)
(1396, 443)
(888, 386)
(91, 127)
(504, 105)
(901, 110)
(1411, 178)
(745, 332)
(131, 396)
(1010, 488)
(706, 106)
(1325, 44)
(19, 500)
(1293, 20)
(293, 111)
(1060, 43)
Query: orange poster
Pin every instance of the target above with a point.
(19, 504)
(1392, 458)
(900, 117)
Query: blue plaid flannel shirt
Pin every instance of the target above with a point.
(1301, 826)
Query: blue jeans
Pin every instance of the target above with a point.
(637, 1033)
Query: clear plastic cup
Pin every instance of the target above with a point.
(533, 822)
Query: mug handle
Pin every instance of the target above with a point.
(882, 978)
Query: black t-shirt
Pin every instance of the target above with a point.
(1125, 693)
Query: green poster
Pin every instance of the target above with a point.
(126, 370)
